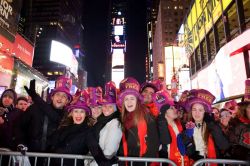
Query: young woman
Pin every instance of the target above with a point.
(71, 136)
(169, 127)
(107, 130)
(140, 136)
(95, 97)
(205, 136)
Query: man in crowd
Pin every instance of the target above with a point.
(41, 119)
(22, 103)
(147, 90)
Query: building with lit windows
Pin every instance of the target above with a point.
(152, 11)
(167, 57)
(44, 21)
(216, 38)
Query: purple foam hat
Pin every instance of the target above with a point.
(63, 84)
(95, 96)
(148, 84)
(81, 103)
(200, 96)
(183, 99)
(110, 93)
(246, 98)
(161, 98)
(129, 86)
(160, 85)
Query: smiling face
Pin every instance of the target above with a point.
(198, 112)
(147, 94)
(130, 102)
(78, 116)
(60, 100)
(108, 109)
(96, 111)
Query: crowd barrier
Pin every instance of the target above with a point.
(224, 162)
(18, 159)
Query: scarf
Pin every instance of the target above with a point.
(244, 120)
(152, 109)
(142, 132)
(102, 121)
(211, 153)
(129, 121)
(174, 153)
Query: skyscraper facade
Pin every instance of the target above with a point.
(59, 20)
(169, 19)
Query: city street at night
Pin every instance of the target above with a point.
(124, 82)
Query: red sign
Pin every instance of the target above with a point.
(23, 50)
(5, 45)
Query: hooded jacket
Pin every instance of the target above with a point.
(10, 116)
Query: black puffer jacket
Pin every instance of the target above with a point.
(69, 140)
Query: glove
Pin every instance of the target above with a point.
(3, 111)
(32, 90)
(164, 134)
(21, 148)
(185, 144)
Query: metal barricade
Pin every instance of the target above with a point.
(224, 162)
(146, 160)
(13, 161)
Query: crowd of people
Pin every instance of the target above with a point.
(132, 121)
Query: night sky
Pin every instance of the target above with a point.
(96, 39)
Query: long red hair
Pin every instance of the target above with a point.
(139, 113)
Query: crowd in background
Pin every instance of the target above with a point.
(134, 120)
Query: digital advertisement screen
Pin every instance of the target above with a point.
(225, 76)
(117, 57)
(117, 76)
(118, 41)
(118, 30)
(63, 54)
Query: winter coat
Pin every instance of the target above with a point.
(7, 134)
(31, 125)
(217, 142)
(238, 134)
(106, 135)
(69, 140)
(133, 142)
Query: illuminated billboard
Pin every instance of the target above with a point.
(118, 30)
(118, 21)
(117, 57)
(174, 58)
(117, 66)
(200, 20)
(224, 80)
(117, 76)
(118, 41)
(61, 53)
(23, 50)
